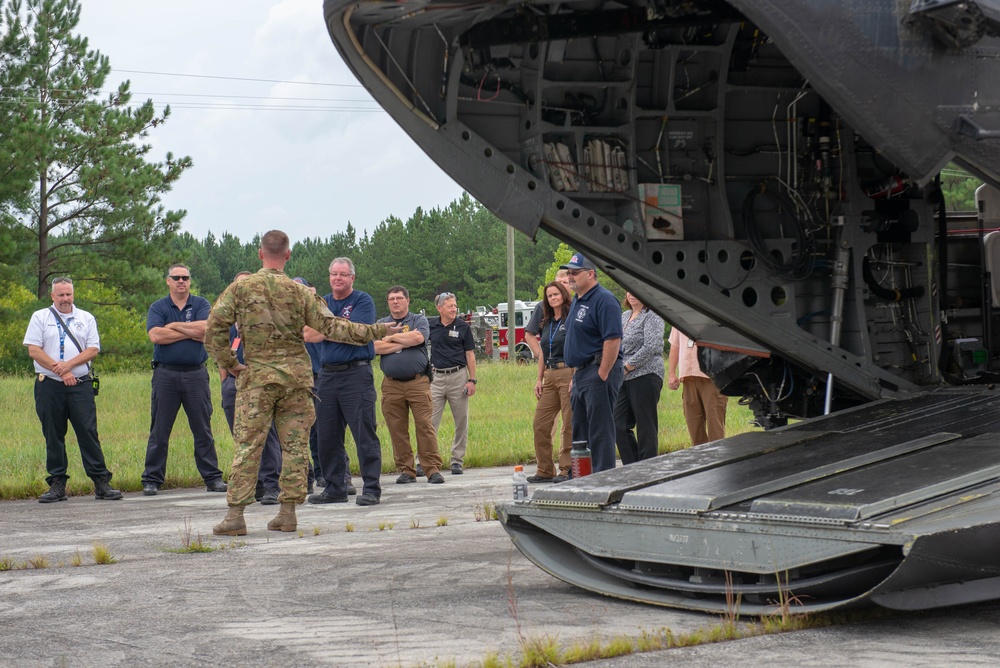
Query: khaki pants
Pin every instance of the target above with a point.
(554, 400)
(450, 388)
(399, 399)
(704, 409)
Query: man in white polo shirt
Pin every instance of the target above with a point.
(62, 341)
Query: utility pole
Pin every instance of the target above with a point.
(511, 311)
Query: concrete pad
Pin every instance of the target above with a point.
(399, 596)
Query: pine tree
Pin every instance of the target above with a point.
(95, 208)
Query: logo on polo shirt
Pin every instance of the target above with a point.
(581, 312)
(346, 311)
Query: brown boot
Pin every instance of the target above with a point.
(285, 519)
(233, 525)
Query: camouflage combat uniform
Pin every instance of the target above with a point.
(270, 310)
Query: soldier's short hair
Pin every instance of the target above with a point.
(242, 273)
(343, 260)
(274, 243)
(397, 288)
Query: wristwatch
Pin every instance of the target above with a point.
(471, 380)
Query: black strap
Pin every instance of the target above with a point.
(68, 332)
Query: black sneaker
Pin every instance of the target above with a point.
(323, 498)
(420, 471)
(150, 489)
(560, 478)
(456, 469)
(351, 489)
(269, 499)
(405, 478)
(436, 479)
(367, 500)
(538, 478)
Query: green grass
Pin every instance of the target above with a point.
(500, 433)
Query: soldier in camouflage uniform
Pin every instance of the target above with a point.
(276, 382)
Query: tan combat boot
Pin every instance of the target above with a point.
(233, 525)
(285, 519)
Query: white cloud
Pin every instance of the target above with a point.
(255, 168)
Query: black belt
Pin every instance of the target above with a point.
(596, 359)
(82, 379)
(346, 366)
(453, 369)
(175, 367)
(407, 379)
(556, 365)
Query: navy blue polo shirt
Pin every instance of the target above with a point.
(593, 319)
(356, 307)
(187, 352)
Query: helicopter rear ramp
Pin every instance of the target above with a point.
(894, 503)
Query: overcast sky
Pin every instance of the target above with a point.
(259, 163)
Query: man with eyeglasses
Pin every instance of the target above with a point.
(406, 388)
(453, 357)
(593, 347)
(62, 341)
(346, 392)
(176, 326)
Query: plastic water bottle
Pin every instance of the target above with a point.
(520, 483)
(580, 458)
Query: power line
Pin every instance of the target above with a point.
(208, 76)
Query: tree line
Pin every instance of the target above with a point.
(80, 195)
(460, 248)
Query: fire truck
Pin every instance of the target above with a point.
(495, 319)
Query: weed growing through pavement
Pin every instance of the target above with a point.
(6, 564)
(349, 527)
(540, 651)
(102, 555)
(189, 544)
(383, 525)
(442, 521)
(485, 511)
(493, 660)
(414, 523)
(39, 561)
(317, 531)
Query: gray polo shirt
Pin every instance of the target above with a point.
(408, 362)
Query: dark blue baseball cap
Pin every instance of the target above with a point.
(578, 261)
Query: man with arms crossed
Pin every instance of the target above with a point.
(176, 325)
(406, 388)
